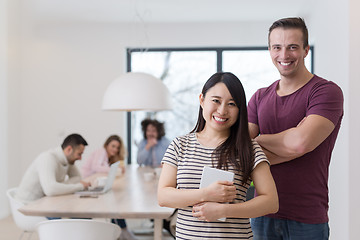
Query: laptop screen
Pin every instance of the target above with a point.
(111, 177)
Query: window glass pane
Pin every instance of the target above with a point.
(184, 73)
(254, 68)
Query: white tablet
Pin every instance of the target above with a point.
(210, 175)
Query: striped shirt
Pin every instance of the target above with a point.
(189, 157)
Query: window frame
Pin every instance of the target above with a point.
(219, 62)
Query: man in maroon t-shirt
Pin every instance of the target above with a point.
(296, 121)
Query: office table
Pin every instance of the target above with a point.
(132, 196)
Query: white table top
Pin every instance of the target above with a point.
(131, 197)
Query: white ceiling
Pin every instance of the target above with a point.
(165, 10)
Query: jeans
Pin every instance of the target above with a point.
(265, 228)
(120, 222)
(53, 218)
(57, 218)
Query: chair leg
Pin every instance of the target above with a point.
(30, 235)
(22, 234)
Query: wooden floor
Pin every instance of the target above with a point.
(9, 231)
(142, 228)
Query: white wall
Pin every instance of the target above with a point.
(354, 116)
(67, 67)
(330, 33)
(3, 108)
(337, 36)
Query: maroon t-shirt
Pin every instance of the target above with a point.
(302, 183)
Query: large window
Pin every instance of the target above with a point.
(184, 71)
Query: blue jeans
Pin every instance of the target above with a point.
(53, 218)
(120, 222)
(265, 228)
(57, 218)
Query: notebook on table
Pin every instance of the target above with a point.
(102, 189)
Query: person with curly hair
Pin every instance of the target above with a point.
(152, 148)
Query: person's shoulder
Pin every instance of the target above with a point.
(264, 90)
(142, 142)
(165, 140)
(100, 150)
(329, 86)
(187, 136)
(183, 142)
(184, 139)
(50, 152)
(50, 156)
(319, 81)
(270, 87)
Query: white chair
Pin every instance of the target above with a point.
(77, 229)
(26, 223)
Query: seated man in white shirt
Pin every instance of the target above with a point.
(53, 172)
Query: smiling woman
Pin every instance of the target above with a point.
(220, 139)
(100, 160)
(219, 111)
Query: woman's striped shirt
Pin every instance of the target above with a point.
(189, 157)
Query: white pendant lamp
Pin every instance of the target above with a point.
(134, 91)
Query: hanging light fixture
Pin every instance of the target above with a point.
(134, 91)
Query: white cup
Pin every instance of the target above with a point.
(119, 172)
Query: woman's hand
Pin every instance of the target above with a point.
(220, 191)
(208, 211)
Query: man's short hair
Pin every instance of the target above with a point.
(73, 140)
(289, 23)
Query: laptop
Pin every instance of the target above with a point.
(103, 189)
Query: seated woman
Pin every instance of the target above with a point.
(99, 162)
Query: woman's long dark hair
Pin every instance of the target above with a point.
(237, 149)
